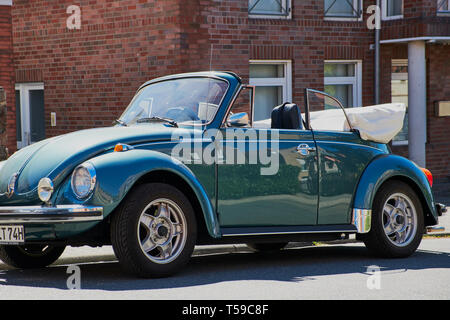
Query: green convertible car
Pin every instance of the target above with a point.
(187, 164)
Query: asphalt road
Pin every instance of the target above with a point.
(338, 271)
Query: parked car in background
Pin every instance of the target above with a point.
(186, 164)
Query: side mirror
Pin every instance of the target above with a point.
(238, 120)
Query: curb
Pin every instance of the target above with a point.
(242, 248)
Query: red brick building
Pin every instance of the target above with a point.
(69, 77)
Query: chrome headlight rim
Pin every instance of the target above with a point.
(45, 189)
(93, 180)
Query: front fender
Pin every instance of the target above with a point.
(388, 166)
(117, 172)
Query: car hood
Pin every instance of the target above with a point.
(57, 157)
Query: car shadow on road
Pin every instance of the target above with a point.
(296, 264)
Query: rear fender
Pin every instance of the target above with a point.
(386, 167)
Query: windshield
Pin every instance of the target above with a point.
(194, 100)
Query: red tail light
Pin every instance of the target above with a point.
(428, 175)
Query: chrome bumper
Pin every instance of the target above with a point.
(57, 214)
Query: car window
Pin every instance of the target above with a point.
(326, 113)
(182, 100)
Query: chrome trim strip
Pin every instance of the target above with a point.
(361, 219)
(57, 214)
(280, 232)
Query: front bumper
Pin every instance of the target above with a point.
(56, 214)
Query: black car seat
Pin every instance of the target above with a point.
(286, 116)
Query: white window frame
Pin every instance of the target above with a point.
(285, 83)
(399, 76)
(384, 15)
(356, 80)
(24, 89)
(446, 4)
(343, 18)
(284, 3)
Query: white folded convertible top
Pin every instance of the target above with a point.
(379, 123)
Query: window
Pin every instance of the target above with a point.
(30, 115)
(269, 8)
(392, 9)
(443, 6)
(273, 86)
(192, 100)
(343, 81)
(399, 93)
(342, 9)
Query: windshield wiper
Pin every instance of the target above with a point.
(158, 119)
(118, 121)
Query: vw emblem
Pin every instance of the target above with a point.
(12, 184)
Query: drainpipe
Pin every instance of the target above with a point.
(377, 59)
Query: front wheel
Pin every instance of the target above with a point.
(397, 222)
(154, 231)
(30, 256)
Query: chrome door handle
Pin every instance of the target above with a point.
(304, 149)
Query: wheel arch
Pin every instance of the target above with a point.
(388, 168)
(429, 219)
(120, 172)
(171, 178)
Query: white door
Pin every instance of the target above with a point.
(30, 116)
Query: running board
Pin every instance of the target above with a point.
(284, 230)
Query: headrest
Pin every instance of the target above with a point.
(286, 116)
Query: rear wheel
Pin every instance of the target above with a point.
(397, 222)
(30, 256)
(154, 232)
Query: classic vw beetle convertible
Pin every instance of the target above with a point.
(187, 164)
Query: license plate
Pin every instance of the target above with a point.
(12, 234)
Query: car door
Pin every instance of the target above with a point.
(342, 157)
(267, 177)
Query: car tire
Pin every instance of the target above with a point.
(154, 231)
(397, 222)
(267, 247)
(30, 256)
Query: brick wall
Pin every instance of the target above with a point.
(438, 128)
(91, 74)
(7, 119)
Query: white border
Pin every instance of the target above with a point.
(5, 2)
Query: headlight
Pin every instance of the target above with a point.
(83, 180)
(45, 189)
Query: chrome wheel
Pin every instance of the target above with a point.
(399, 219)
(162, 231)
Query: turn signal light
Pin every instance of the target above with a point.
(428, 175)
(118, 148)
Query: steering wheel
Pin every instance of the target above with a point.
(180, 114)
